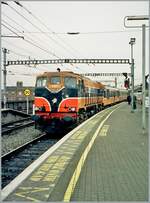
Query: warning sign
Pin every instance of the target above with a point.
(27, 92)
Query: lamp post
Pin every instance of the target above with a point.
(5, 51)
(143, 79)
(143, 25)
(132, 42)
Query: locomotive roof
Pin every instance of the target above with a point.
(59, 73)
(70, 73)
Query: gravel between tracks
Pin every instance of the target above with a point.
(8, 117)
(18, 138)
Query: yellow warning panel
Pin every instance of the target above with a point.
(27, 92)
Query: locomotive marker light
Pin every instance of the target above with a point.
(27, 93)
(54, 100)
(143, 26)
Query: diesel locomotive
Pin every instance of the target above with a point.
(62, 98)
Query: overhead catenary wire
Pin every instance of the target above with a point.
(43, 24)
(49, 29)
(26, 18)
(18, 54)
(25, 74)
(20, 48)
(96, 32)
(32, 42)
(9, 29)
(53, 54)
(34, 26)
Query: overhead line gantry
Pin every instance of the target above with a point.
(71, 61)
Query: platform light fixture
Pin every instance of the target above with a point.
(143, 17)
(73, 33)
(143, 26)
(132, 42)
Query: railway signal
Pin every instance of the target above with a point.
(127, 83)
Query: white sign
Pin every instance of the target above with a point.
(147, 102)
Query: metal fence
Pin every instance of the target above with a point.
(18, 105)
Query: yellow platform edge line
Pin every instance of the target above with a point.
(76, 174)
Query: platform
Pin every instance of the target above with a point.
(103, 159)
(117, 166)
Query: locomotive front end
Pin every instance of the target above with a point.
(55, 104)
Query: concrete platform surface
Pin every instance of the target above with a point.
(103, 159)
(116, 168)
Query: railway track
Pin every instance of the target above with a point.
(15, 125)
(14, 162)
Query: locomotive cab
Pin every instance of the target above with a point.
(56, 98)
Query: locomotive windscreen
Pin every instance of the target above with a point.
(55, 80)
(41, 82)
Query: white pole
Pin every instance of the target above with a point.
(27, 104)
(132, 76)
(132, 89)
(33, 111)
(4, 78)
(143, 77)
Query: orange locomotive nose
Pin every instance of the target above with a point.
(42, 102)
(68, 104)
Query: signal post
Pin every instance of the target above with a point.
(27, 93)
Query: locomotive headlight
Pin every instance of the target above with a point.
(41, 108)
(36, 108)
(72, 109)
(54, 100)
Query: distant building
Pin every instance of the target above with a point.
(16, 93)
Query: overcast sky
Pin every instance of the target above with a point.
(45, 24)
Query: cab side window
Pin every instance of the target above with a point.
(70, 82)
(41, 82)
(80, 87)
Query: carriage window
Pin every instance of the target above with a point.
(108, 94)
(70, 82)
(100, 92)
(41, 82)
(55, 80)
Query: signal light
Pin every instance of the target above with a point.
(126, 83)
(125, 75)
